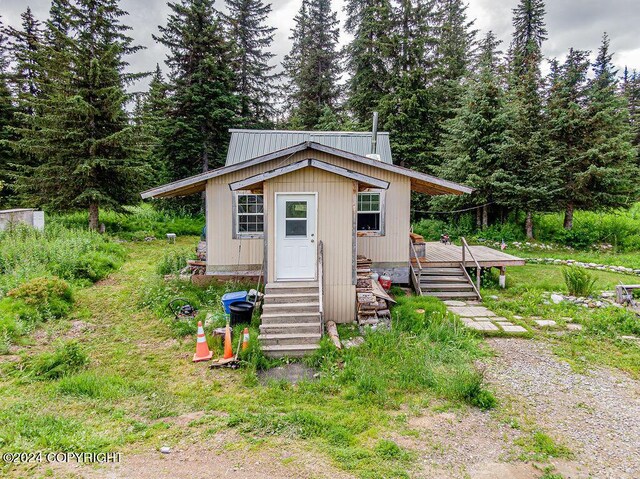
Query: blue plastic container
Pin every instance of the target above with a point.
(229, 298)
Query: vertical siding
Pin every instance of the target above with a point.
(334, 230)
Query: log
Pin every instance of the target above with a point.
(384, 312)
(332, 331)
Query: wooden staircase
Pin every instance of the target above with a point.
(446, 283)
(291, 319)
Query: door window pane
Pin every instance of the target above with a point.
(295, 227)
(296, 209)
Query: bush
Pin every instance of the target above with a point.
(71, 254)
(579, 281)
(174, 261)
(67, 358)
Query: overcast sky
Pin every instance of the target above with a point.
(571, 23)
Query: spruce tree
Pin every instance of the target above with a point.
(255, 79)
(7, 111)
(474, 138)
(454, 51)
(313, 66)
(631, 90)
(408, 109)
(89, 157)
(369, 55)
(202, 102)
(567, 129)
(529, 179)
(609, 178)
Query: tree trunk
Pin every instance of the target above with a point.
(529, 225)
(94, 216)
(478, 218)
(485, 216)
(568, 216)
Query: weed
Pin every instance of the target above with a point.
(540, 446)
(174, 261)
(66, 359)
(578, 280)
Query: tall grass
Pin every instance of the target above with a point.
(71, 254)
(138, 222)
(579, 281)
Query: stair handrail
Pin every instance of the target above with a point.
(321, 281)
(465, 246)
(414, 278)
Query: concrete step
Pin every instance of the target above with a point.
(446, 286)
(289, 298)
(291, 328)
(280, 308)
(289, 350)
(444, 279)
(298, 339)
(277, 318)
(292, 287)
(451, 294)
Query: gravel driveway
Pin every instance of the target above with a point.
(597, 415)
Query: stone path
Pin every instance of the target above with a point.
(475, 316)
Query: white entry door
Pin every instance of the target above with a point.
(295, 236)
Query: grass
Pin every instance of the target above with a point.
(539, 446)
(630, 260)
(598, 343)
(129, 377)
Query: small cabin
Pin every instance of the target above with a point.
(300, 208)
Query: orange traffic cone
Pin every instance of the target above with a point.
(228, 349)
(202, 349)
(245, 339)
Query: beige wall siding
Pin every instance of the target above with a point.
(391, 248)
(335, 230)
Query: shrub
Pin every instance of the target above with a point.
(50, 295)
(174, 261)
(67, 358)
(579, 281)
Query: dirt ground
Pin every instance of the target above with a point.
(597, 415)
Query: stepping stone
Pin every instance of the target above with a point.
(514, 329)
(504, 323)
(574, 327)
(487, 327)
(452, 302)
(517, 317)
(471, 311)
(546, 323)
(467, 321)
(482, 318)
(474, 325)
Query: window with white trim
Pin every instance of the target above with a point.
(249, 215)
(370, 212)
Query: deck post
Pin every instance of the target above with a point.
(503, 277)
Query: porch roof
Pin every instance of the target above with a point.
(256, 180)
(420, 182)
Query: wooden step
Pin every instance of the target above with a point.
(280, 318)
(280, 308)
(441, 271)
(291, 328)
(289, 298)
(447, 286)
(291, 287)
(298, 339)
(444, 279)
(451, 294)
(289, 350)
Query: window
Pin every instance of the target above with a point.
(295, 218)
(249, 216)
(370, 213)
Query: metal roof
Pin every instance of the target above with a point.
(248, 144)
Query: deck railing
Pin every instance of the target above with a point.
(414, 277)
(465, 248)
(321, 282)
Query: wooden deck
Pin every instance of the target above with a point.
(448, 255)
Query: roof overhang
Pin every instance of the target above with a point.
(420, 182)
(256, 180)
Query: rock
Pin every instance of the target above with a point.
(574, 327)
(165, 449)
(353, 342)
(494, 297)
(557, 298)
(546, 323)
